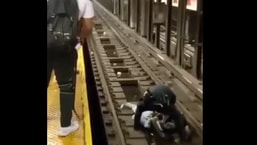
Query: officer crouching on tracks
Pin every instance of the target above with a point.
(157, 112)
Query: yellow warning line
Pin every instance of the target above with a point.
(81, 67)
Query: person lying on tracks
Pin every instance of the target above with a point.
(157, 122)
(161, 99)
(165, 127)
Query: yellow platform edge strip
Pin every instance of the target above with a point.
(87, 124)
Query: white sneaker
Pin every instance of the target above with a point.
(64, 131)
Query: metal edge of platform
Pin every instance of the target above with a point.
(86, 119)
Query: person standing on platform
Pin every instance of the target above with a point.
(69, 23)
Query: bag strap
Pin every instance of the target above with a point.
(55, 7)
(71, 8)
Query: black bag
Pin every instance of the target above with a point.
(62, 25)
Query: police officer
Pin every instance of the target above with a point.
(161, 98)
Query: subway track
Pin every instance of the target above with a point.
(123, 68)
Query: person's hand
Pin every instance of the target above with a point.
(81, 40)
(78, 45)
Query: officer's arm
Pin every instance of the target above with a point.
(156, 125)
(87, 21)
